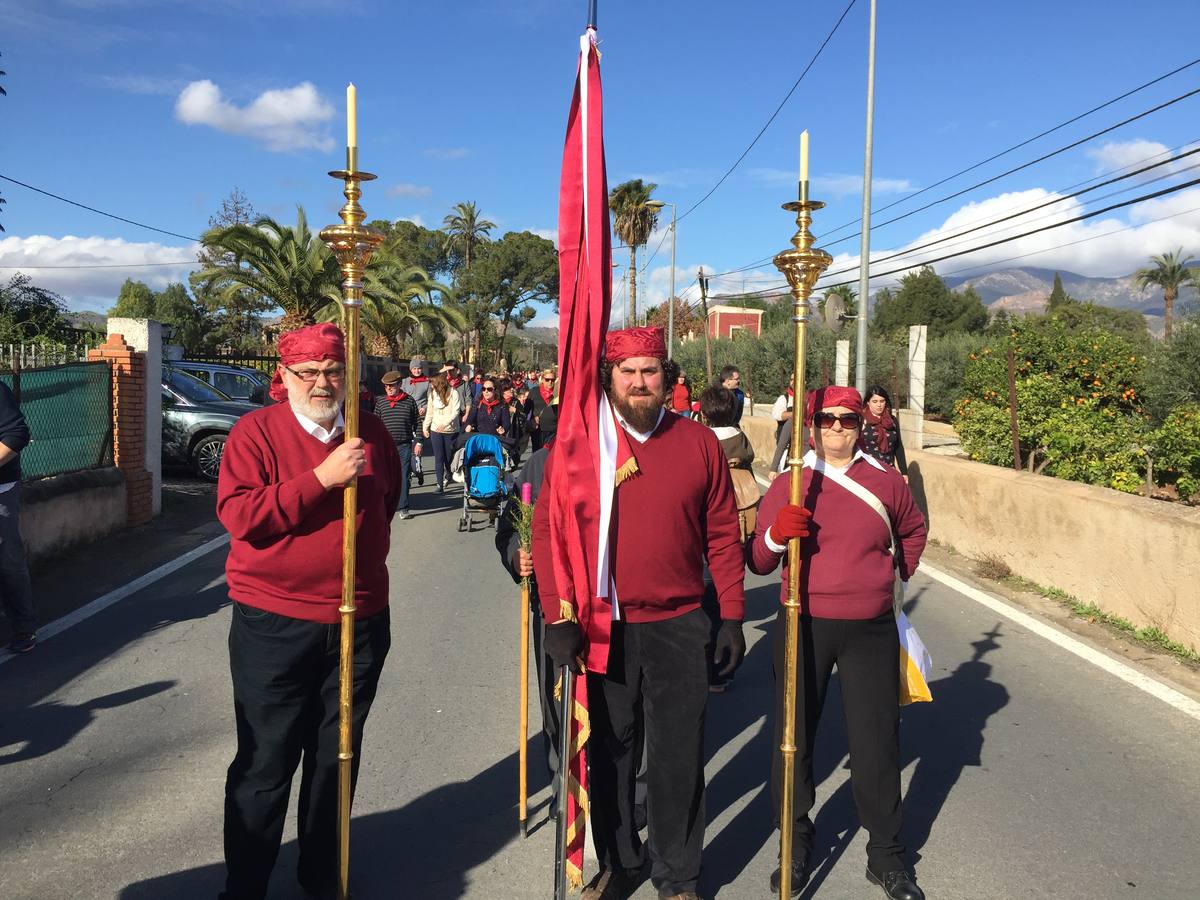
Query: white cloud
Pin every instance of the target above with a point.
(93, 288)
(834, 186)
(409, 190)
(1127, 154)
(282, 120)
(446, 152)
(415, 218)
(550, 234)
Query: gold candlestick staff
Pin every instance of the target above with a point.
(802, 266)
(352, 243)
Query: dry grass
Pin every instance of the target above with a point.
(992, 567)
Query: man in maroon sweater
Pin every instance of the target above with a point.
(676, 511)
(280, 497)
(849, 567)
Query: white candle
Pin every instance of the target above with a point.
(804, 155)
(351, 116)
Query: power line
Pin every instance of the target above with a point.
(778, 109)
(100, 211)
(1080, 218)
(1023, 143)
(1016, 169)
(181, 262)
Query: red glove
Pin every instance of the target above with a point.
(792, 522)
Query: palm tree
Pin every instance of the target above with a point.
(1169, 272)
(288, 265)
(634, 218)
(398, 304)
(464, 230)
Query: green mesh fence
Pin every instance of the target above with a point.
(69, 412)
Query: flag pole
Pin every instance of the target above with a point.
(352, 243)
(591, 22)
(523, 734)
(561, 850)
(801, 265)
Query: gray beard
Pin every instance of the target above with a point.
(319, 413)
(640, 418)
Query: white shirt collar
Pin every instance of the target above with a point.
(639, 436)
(819, 465)
(319, 431)
(724, 432)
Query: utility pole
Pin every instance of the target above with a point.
(864, 255)
(671, 300)
(707, 343)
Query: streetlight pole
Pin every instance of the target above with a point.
(864, 255)
(671, 299)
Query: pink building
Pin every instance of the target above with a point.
(723, 321)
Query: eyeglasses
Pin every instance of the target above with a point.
(548, 380)
(849, 421)
(309, 376)
(488, 390)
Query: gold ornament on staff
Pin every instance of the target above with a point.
(802, 266)
(352, 244)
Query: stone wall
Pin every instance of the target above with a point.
(1133, 557)
(65, 511)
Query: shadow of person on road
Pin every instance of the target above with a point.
(425, 849)
(52, 725)
(942, 738)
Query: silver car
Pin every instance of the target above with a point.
(196, 419)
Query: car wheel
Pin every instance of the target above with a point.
(206, 456)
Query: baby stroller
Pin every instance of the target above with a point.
(483, 465)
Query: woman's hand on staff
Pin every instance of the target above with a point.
(524, 563)
(342, 465)
(792, 522)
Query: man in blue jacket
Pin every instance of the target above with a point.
(16, 589)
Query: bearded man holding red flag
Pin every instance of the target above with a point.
(672, 508)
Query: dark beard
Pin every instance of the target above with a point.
(639, 418)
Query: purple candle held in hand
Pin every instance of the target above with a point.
(527, 493)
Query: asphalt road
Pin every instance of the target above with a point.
(1034, 774)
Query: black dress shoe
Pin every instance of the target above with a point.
(897, 884)
(800, 876)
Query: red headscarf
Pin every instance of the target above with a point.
(834, 395)
(631, 342)
(310, 344)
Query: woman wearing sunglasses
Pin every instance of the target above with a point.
(489, 415)
(846, 620)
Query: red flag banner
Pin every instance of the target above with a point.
(579, 503)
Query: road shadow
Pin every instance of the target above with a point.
(942, 738)
(426, 848)
(916, 484)
(46, 727)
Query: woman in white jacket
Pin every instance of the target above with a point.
(441, 425)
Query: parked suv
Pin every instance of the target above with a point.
(235, 382)
(196, 419)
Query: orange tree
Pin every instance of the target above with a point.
(1079, 413)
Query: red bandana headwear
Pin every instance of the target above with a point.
(631, 342)
(834, 395)
(314, 343)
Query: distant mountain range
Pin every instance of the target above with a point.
(1026, 289)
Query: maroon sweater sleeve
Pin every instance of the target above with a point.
(724, 551)
(909, 526)
(543, 567)
(761, 559)
(249, 505)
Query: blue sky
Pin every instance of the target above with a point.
(156, 110)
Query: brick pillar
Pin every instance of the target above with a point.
(129, 424)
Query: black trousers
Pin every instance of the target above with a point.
(867, 656)
(285, 695)
(654, 693)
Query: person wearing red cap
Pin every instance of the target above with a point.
(279, 494)
(673, 507)
(847, 620)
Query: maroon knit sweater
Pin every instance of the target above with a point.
(846, 569)
(286, 553)
(676, 511)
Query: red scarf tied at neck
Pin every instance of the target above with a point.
(489, 405)
(392, 401)
(883, 425)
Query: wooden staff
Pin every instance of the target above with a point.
(352, 244)
(523, 734)
(802, 265)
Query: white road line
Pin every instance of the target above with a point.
(1109, 664)
(58, 626)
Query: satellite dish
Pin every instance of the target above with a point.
(834, 312)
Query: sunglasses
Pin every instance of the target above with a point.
(849, 421)
(488, 390)
(548, 380)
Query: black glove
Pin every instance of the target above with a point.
(563, 643)
(730, 643)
